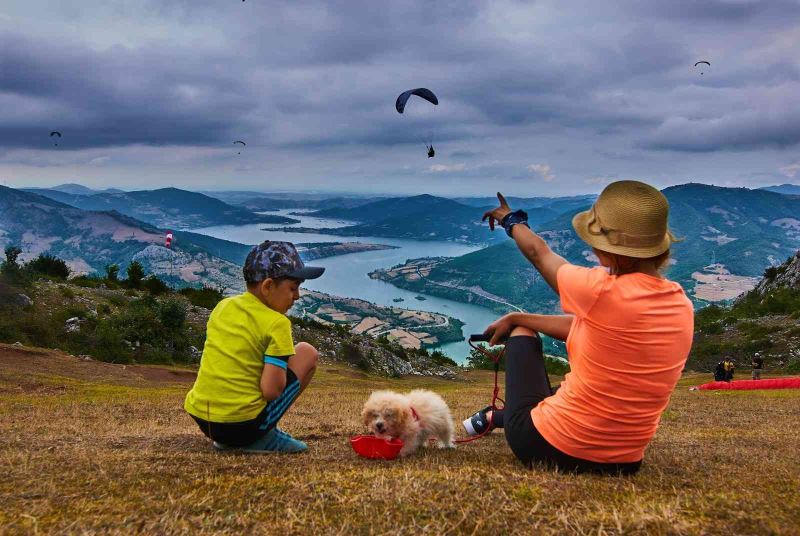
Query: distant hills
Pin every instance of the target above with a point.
(786, 189)
(165, 207)
(78, 189)
(89, 240)
(260, 201)
(427, 217)
(731, 236)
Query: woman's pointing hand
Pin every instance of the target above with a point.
(498, 213)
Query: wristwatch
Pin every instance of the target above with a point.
(513, 218)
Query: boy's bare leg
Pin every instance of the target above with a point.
(304, 363)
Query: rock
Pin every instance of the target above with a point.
(18, 344)
(72, 324)
(22, 300)
(195, 353)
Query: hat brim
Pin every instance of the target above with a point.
(580, 222)
(307, 272)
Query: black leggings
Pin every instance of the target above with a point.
(527, 384)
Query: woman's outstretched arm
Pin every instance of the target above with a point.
(535, 249)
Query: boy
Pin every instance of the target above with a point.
(251, 371)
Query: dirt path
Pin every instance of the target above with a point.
(26, 363)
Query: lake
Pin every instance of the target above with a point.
(346, 275)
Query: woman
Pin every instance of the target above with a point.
(628, 332)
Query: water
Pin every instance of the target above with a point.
(346, 275)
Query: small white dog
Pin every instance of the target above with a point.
(413, 418)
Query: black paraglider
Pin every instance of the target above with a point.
(702, 61)
(55, 133)
(423, 93)
(243, 144)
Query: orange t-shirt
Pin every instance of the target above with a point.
(627, 347)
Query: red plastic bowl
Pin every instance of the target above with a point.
(370, 446)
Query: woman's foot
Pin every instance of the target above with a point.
(479, 423)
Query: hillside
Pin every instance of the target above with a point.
(166, 208)
(76, 189)
(764, 321)
(260, 201)
(100, 448)
(786, 189)
(90, 240)
(111, 322)
(422, 217)
(731, 236)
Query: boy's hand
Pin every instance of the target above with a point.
(498, 213)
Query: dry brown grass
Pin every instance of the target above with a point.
(88, 448)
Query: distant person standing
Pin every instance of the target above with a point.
(729, 366)
(719, 372)
(758, 364)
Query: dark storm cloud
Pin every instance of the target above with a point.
(116, 97)
(322, 74)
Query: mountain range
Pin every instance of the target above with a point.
(89, 240)
(730, 236)
(428, 217)
(166, 207)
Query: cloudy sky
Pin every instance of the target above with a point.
(536, 98)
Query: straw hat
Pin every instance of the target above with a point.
(629, 218)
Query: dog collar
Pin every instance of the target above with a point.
(414, 414)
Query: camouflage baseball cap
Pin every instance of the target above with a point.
(277, 259)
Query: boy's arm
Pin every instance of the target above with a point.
(273, 377)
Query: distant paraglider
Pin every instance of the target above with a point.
(240, 142)
(701, 62)
(56, 133)
(423, 93)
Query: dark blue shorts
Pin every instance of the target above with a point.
(239, 434)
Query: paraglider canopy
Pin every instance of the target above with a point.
(240, 142)
(421, 92)
(55, 133)
(701, 62)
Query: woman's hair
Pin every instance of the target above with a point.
(622, 264)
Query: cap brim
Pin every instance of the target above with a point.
(307, 272)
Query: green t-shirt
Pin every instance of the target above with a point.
(241, 331)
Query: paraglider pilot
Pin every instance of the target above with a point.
(431, 152)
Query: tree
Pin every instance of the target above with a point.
(112, 272)
(49, 265)
(12, 253)
(10, 268)
(135, 274)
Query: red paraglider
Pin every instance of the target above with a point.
(747, 385)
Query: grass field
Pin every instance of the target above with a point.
(90, 447)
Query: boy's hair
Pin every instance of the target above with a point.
(622, 264)
(277, 281)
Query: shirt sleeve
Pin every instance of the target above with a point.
(279, 341)
(580, 287)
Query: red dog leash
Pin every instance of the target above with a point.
(495, 393)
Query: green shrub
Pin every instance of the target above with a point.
(172, 314)
(112, 272)
(207, 297)
(67, 292)
(352, 354)
(155, 286)
(439, 357)
(49, 265)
